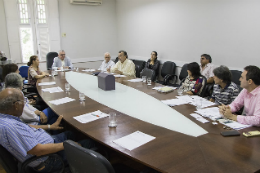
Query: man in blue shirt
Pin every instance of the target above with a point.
(62, 61)
(23, 141)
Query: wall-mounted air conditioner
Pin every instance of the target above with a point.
(86, 2)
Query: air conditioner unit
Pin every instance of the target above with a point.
(86, 2)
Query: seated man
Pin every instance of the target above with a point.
(107, 63)
(124, 65)
(23, 141)
(249, 97)
(224, 91)
(206, 68)
(30, 114)
(62, 61)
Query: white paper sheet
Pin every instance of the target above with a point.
(159, 87)
(212, 113)
(52, 89)
(61, 101)
(136, 80)
(199, 118)
(174, 102)
(119, 75)
(89, 70)
(46, 83)
(134, 140)
(85, 118)
(194, 99)
(235, 125)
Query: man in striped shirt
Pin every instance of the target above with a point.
(22, 140)
(224, 91)
(249, 97)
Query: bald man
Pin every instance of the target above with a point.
(107, 63)
(23, 141)
(62, 61)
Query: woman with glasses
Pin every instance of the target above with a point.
(153, 63)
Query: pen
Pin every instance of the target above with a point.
(95, 115)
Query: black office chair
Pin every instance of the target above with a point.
(148, 73)
(84, 160)
(116, 60)
(137, 70)
(12, 165)
(236, 74)
(49, 59)
(140, 63)
(203, 89)
(182, 76)
(168, 73)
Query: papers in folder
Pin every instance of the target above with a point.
(52, 90)
(46, 83)
(85, 118)
(134, 140)
(61, 101)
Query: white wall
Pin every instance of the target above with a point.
(91, 30)
(182, 30)
(3, 31)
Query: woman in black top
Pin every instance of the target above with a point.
(153, 63)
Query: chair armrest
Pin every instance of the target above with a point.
(169, 77)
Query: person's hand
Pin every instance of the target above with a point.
(43, 118)
(108, 69)
(189, 92)
(58, 68)
(66, 67)
(118, 72)
(55, 126)
(222, 109)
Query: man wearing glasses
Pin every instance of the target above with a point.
(62, 61)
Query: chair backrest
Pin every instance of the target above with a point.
(1, 74)
(168, 68)
(7, 160)
(140, 63)
(24, 71)
(116, 60)
(84, 160)
(183, 73)
(137, 70)
(203, 89)
(148, 73)
(49, 59)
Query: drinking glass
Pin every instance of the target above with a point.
(67, 87)
(53, 72)
(144, 79)
(180, 90)
(199, 103)
(149, 81)
(112, 119)
(81, 96)
(77, 69)
(61, 68)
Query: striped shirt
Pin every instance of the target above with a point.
(251, 103)
(225, 96)
(19, 138)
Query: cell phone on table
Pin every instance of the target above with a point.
(230, 133)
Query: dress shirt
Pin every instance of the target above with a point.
(207, 71)
(28, 116)
(19, 138)
(58, 63)
(251, 103)
(32, 73)
(104, 66)
(127, 67)
(225, 96)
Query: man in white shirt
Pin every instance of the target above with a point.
(107, 63)
(124, 66)
(206, 68)
(62, 61)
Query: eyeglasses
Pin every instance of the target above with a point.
(62, 54)
(24, 101)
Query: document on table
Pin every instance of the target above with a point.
(85, 118)
(199, 118)
(235, 125)
(119, 75)
(63, 70)
(89, 70)
(136, 80)
(46, 83)
(194, 99)
(52, 90)
(159, 87)
(212, 113)
(134, 140)
(61, 101)
(174, 102)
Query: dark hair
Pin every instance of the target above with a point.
(155, 55)
(253, 72)
(9, 68)
(194, 68)
(208, 57)
(223, 73)
(32, 58)
(125, 53)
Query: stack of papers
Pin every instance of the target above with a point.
(89, 70)
(212, 113)
(199, 118)
(235, 125)
(46, 83)
(85, 118)
(194, 99)
(134, 140)
(119, 75)
(174, 102)
(61, 101)
(157, 88)
(52, 90)
(63, 70)
(136, 80)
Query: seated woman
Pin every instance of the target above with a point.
(34, 72)
(8, 68)
(224, 91)
(30, 114)
(194, 83)
(153, 63)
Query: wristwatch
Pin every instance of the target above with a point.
(49, 126)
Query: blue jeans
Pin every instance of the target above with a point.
(52, 117)
(53, 164)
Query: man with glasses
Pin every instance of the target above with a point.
(62, 61)
(107, 63)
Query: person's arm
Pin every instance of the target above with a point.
(213, 96)
(156, 66)
(43, 149)
(69, 64)
(210, 80)
(129, 70)
(114, 68)
(54, 126)
(234, 94)
(34, 74)
(197, 86)
(238, 103)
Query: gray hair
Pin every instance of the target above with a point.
(223, 73)
(61, 51)
(107, 53)
(14, 80)
(7, 103)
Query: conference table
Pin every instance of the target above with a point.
(192, 147)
